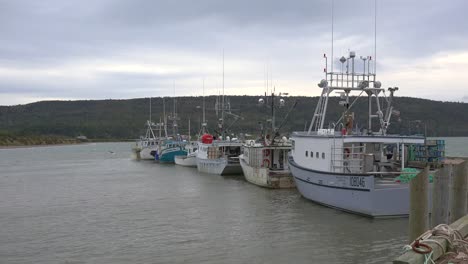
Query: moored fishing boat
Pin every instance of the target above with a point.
(190, 159)
(147, 146)
(267, 165)
(352, 168)
(172, 146)
(217, 156)
(265, 162)
(169, 149)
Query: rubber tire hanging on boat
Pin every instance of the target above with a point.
(266, 152)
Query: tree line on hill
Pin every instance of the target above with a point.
(125, 119)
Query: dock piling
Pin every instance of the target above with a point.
(459, 191)
(441, 195)
(419, 211)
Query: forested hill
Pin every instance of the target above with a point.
(124, 119)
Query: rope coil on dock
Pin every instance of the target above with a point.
(453, 237)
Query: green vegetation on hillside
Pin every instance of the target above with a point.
(123, 119)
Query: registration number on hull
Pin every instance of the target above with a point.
(357, 181)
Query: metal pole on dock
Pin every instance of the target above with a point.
(441, 195)
(459, 190)
(419, 211)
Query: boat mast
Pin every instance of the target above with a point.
(273, 112)
(165, 118)
(222, 105)
(174, 116)
(160, 127)
(204, 120)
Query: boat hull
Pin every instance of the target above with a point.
(353, 193)
(267, 178)
(169, 156)
(218, 166)
(147, 153)
(187, 161)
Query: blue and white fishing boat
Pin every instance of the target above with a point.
(172, 146)
(169, 149)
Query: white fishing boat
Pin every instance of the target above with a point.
(265, 162)
(217, 156)
(189, 160)
(267, 165)
(147, 146)
(348, 167)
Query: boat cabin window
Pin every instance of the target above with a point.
(323, 155)
(317, 155)
(307, 153)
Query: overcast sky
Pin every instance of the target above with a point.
(100, 49)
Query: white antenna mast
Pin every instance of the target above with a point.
(375, 38)
(204, 120)
(332, 39)
(222, 104)
(150, 111)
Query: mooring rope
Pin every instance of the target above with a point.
(452, 236)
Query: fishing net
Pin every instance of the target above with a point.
(410, 173)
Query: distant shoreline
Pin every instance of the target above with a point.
(13, 142)
(41, 145)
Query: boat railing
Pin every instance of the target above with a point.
(350, 80)
(347, 159)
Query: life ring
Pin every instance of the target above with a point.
(266, 152)
(421, 248)
(267, 161)
(347, 152)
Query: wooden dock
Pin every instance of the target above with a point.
(430, 233)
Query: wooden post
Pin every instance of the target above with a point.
(441, 195)
(459, 192)
(418, 219)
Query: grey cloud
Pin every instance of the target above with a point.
(37, 34)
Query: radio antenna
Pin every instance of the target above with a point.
(332, 36)
(375, 37)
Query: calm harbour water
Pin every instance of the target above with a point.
(93, 204)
